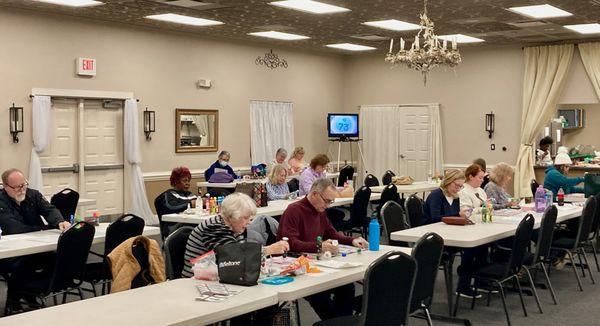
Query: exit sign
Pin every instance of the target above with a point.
(86, 67)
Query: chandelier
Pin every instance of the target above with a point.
(426, 54)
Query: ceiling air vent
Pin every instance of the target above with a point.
(192, 4)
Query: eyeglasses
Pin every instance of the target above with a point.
(457, 186)
(18, 187)
(327, 201)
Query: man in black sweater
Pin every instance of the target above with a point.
(20, 211)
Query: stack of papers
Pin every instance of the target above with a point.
(338, 264)
(215, 292)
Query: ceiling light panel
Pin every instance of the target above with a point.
(585, 28)
(310, 6)
(74, 3)
(351, 47)
(280, 35)
(187, 20)
(541, 11)
(394, 25)
(460, 38)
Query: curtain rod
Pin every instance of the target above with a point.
(77, 97)
(271, 101)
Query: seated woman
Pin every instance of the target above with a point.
(280, 157)
(277, 187)
(221, 165)
(556, 175)
(486, 177)
(316, 171)
(444, 200)
(542, 154)
(296, 161)
(472, 196)
(500, 179)
(177, 199)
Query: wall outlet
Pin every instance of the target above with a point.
(493, 147)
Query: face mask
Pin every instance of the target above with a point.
(223, 163)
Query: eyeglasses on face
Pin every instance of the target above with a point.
(18, 187)
(327, 201)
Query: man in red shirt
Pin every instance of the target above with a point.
(301, 223)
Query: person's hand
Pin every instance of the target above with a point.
(329, 246)
(193, 203)
(360, 242)
(63, 225)
(278, 248)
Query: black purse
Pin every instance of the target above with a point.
(239, 263)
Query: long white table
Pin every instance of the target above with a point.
(15, 245)
(274, 208)
(415, 187)
(172, 302)
(469, 236)
(231, 185)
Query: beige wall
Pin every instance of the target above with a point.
(161, 68)
(588, 135)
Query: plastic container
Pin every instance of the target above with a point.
(560, 197)
(374, 231)
(319, 246)
(540, 199)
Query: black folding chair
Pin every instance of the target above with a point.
(346, 173)
(427, 252)
(66, 202)
(359, 220)
(175, 250)
(123, 228)
(413, 207)
(371, 181)
(293, 184)
(387, 177)
(390, 192)
(388, 288)
(594, 233)
(393, 219)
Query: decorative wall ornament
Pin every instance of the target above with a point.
(271, 60)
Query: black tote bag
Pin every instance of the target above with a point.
(239, 263)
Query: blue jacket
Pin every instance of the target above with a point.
(436, 206)
(211, 170)
(555, 180)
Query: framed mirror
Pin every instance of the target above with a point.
(196, 130)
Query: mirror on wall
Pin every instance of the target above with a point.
(196, 130)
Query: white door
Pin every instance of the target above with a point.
(414, 142)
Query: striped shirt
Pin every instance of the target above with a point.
(206, 237)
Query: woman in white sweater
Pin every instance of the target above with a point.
(472, 196)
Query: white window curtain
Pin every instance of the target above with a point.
(271, 127)
(380, 134)
(436, 145)
(546, 69)
(590, 55)
(42, 131)
(139, 200)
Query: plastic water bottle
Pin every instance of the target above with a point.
(319, 246)
(540, 199)
(374, 235)
(549, 198)
(72, 219)
(560, 197)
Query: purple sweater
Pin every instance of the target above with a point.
(307, 177)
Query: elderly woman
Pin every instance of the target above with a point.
(444, 200)
(316, 171)
(228, 227)
(500, 179)
(556, 175)
(472, 196)
(221, 165)
(277, 187)
(296, 162)
(176, 199)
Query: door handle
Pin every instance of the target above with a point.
(402, 156)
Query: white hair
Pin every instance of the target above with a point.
(237, 205)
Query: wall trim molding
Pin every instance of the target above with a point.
(199, 173)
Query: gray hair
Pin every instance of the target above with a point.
(223, 153)
(321, 184)
(7, 174)
(237, 205)
(281, 150)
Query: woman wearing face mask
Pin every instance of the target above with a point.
(221, 165)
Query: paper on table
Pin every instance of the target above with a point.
(338, 264)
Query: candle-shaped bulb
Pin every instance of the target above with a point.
(391, 45)
(445, 46)
(417, 42)
(401, 44)
(454, 43)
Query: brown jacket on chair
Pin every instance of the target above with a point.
(124, 266)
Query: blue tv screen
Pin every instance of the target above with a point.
(342, 124)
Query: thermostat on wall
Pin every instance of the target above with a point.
(204, 83)
(86, 67)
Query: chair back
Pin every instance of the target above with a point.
(388, 287)
(414, 209)
(387, 177)
(534, 185)
(596, 223)
(393, 218)
(520, 245)
(123, 228)
(358, 213)
(294, 185)
(546, 231)
(346, 173)
(587, 219)
(390, 192)
(161, 209)
(71, 256)
(175, 251)
(66, 202)
(371, 181)
(427, 252)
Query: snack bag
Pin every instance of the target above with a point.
(205, 267)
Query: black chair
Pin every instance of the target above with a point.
(346, 173)
(393, 219)
(542, 248)
(427, 252)
(594, 233)
(161, 209)
(371, 181)
(175, 251)
(534, 185)
(388, 288)
(66, 201)
(294, 185)
(576, 245)
(496, 274)
(69, 266)
(359, 221)
(413, 207)
(390, 192)
(117, 232)
(387, 177)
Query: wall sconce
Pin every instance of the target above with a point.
(149, 123)
(490, 121)
(16, 122)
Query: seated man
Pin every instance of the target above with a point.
(20, 211)
(301, 223)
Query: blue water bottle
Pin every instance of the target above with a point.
(374, 235)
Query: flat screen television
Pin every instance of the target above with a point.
(342, 125)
